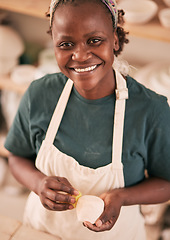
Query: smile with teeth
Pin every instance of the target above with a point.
(87, 69)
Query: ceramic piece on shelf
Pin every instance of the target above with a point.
(167, 2)
(156, 76)
(6, 65)
(164, 17)
(3, 170)
(11, 46)
(10, 102)
(23, 74)
(47, 63)
(44, 69)
(138, 12)
(47, 56)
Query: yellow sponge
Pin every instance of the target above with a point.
(77, 198)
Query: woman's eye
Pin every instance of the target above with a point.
(95, 41)
(65, 45)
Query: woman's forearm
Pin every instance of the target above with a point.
(25, 172)
(151, 191)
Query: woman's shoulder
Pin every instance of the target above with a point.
(140, 93)
(45, 92)
(49, 86)
(49, 81)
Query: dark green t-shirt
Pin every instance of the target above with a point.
(86, 130)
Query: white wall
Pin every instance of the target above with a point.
(141, 51)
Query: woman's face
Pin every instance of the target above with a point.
(84, 40)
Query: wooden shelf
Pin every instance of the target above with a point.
(7, 84)
(151, 30)
(36, 8)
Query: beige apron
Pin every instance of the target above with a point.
(52, 162)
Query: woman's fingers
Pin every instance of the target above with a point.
(105, 222)
(56, 193)
(60, 184)
(54, 206)
(59, 197)
(101, 227)
(110, 214)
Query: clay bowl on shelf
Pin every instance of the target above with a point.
(164, 17)
(138, 12)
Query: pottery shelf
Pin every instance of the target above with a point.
(34, 8)
(7, 84)
(152, 30)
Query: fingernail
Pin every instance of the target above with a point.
(84, 223)
(76, 192)
(98, 223)
(72, 200)
(70, 207)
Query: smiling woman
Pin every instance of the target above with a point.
(90, 130)
(84, 47)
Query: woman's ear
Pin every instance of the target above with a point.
(116, 41)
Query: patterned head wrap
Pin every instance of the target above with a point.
(110, 4)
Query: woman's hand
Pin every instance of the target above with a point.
(55, 193)
(110, 214)
(151, 191)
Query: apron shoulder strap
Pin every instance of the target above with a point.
(121, 96)
(59, 111)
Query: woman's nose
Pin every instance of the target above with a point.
(81, 53)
